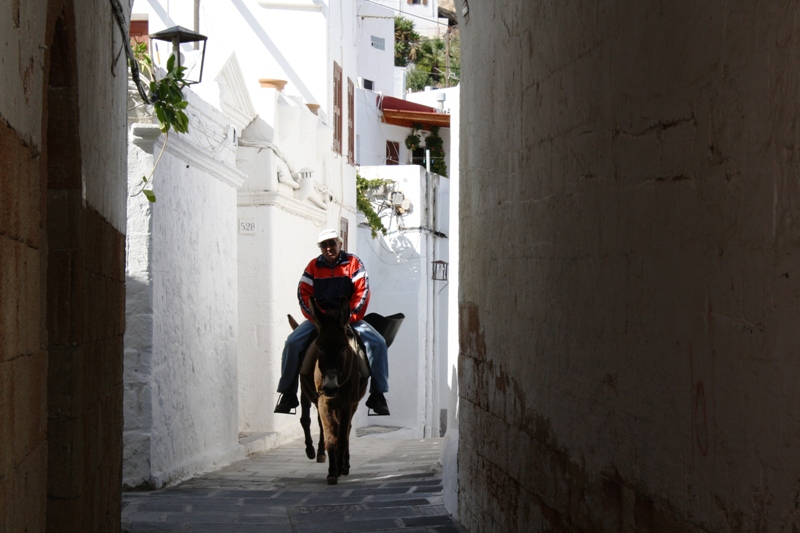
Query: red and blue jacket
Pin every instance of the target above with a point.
(327, 284)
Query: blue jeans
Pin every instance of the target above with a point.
(377, 354)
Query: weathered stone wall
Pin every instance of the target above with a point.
(629, 266)
(23, 343)
(61, 266)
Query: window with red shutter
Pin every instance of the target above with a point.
(337, 108)
(392, 153)
(351, 126)
(344, 231)
(139, 31)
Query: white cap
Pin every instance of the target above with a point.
(327, 234)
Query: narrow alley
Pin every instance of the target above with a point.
(394, 485)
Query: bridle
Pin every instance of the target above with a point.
(353, 356)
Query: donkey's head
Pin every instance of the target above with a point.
(335, 351)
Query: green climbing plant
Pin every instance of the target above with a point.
(414, 139)
(166, 97)
(433, 142)
(363, 187)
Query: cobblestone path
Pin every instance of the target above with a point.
(394, 485)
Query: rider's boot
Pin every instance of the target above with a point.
(287, 403)
(377, 402)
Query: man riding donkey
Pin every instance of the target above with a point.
(335, 273)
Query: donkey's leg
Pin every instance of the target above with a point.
(331, 436)
(305, 421)
(346, 467)
(343, 448)
(347, 450)
(321, 447)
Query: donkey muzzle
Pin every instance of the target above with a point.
(330, 385)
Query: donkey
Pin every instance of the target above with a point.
(305, 411)
(337, 384)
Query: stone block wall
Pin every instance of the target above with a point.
(629, 337)
(23, 343)
(61, 266)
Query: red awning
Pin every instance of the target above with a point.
(404, 113)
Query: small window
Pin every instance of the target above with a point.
(378, 42)
(392, 153)
(369, 84)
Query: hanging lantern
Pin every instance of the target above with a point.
(178, 35)
(439, 270)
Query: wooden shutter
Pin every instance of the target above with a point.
(392, 153)
(351, 123)
(337, 108)
(344, 231)
(139, 32)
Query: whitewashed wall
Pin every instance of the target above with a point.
(280, 224)
(373, 133)
(450, 447)
(180, 355)
(374, 63)
(399, 267)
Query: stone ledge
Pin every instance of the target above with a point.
(255, 442)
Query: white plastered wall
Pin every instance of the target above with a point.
(180, 347)
(399, 267)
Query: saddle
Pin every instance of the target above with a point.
(310, 357)
(387, 326)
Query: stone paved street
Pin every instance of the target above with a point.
(394, 485)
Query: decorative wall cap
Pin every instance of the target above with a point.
(283, 202)
(189, 152)
(145, 135)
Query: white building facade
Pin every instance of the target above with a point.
(283, 75)
(281, 97)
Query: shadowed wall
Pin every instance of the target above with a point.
(61, 265)
(629, 339)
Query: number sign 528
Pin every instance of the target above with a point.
(247, 226)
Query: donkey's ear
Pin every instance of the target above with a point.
(344, 311)
(315, 312)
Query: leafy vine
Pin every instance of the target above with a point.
(166, 94)
(433, 142)
(168, 102)
(363, 187)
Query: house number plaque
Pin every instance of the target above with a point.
(247, 226)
